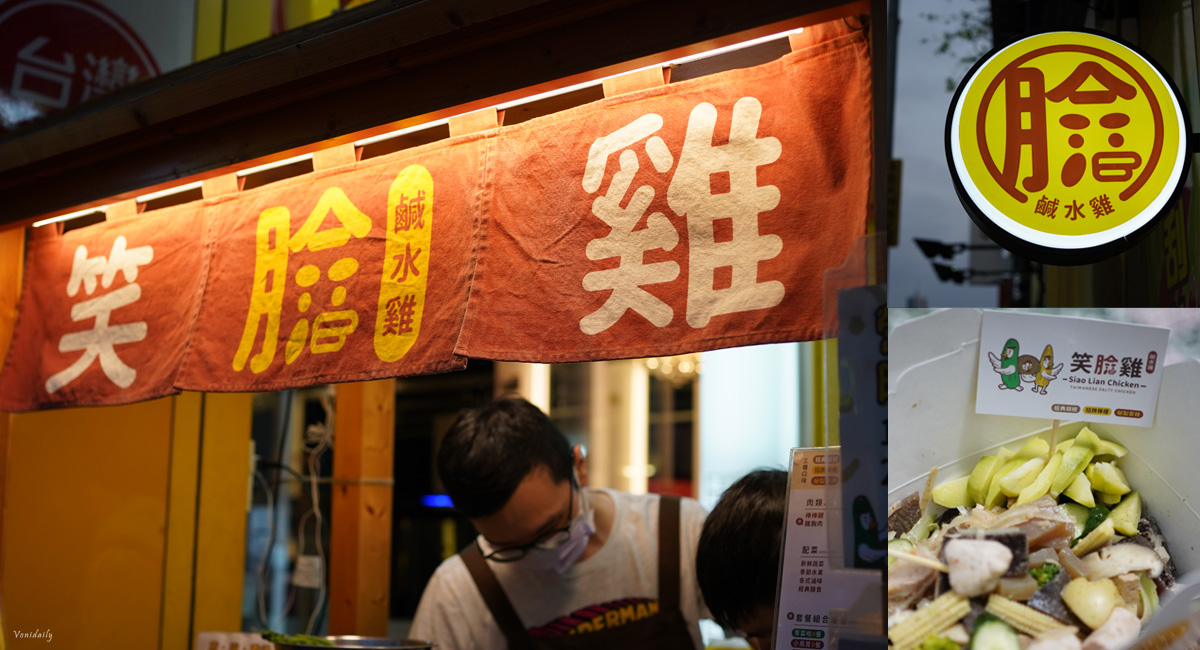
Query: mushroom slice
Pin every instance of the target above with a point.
(905, 514)
(1112, 561)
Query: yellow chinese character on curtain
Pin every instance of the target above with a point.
(273, 242)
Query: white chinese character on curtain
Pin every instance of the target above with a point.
(623, 241)
(99, 342)
(691, 194)
(736, 253)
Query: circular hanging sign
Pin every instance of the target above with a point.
(1065, 147)
(58, 53)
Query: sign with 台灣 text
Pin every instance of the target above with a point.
(1069, 368)
(55, 54)
(1066, 146)
(693, 216)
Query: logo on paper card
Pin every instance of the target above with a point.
(1098, 370)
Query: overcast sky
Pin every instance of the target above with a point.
(929, 207)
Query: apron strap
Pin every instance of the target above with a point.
(668, 553)
(494, 597)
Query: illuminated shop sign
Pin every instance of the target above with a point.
(1065, 147)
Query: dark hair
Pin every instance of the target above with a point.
(737, 560)
(490, 449)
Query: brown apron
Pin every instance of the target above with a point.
(667, 629)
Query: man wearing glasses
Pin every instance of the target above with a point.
(556, 565)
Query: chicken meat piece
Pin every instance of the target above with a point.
(1119, 631)
(908, 582)
(975, 564)
(1056, 639)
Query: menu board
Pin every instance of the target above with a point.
(818, 596)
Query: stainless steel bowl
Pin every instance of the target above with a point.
(373, 642)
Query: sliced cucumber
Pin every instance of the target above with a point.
(1148, 595)
(991, 633)
(1079, 513)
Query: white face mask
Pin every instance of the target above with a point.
(562, 557)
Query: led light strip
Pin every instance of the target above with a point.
(589, 84)
(146, 198)
(274, 165)
(405, 131)
(69, 215)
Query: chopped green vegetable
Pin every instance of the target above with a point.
(1096, 516)
(1127, 515)
(1079, 514)
(902, 545)
(1045, 573)
(295, 639)
(1092, 600)
(1148, 595)
(935, 642)
(952, 494)
(922, 529)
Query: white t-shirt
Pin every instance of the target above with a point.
(618, 584)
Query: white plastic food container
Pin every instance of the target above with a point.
(932, 421)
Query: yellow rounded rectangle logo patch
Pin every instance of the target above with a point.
(406, 264)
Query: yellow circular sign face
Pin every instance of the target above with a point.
(1064, 144)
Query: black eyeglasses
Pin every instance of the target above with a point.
(552, 539)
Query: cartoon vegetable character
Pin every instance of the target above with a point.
(1006, 365)
(1048, 372)
(868, 538)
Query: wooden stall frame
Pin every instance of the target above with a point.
(360, 531)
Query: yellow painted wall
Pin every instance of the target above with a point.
(246, 21)
(181, 522)
(221, 522)
(316, 10)
(103, 545)
(208, 28)
(224, 25)
(84, 523)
